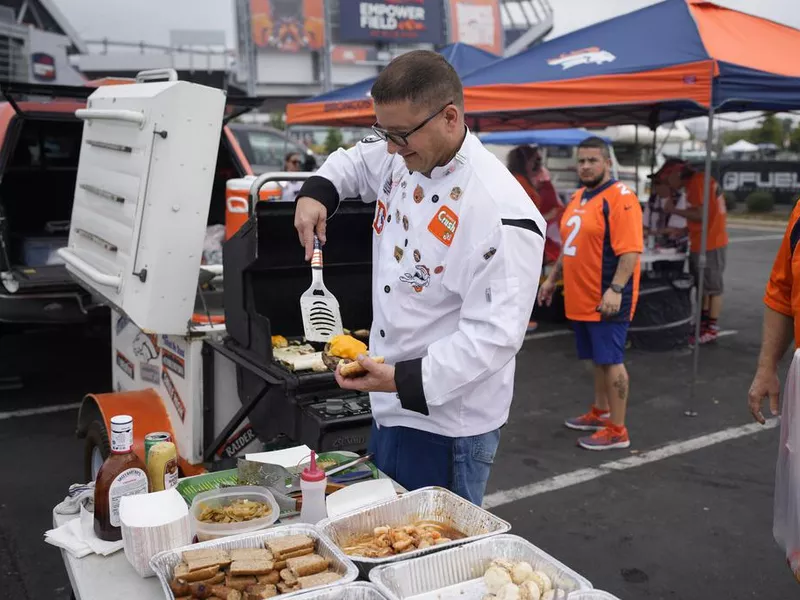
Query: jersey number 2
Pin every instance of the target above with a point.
(575, 222)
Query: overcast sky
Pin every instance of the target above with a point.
(151, 20)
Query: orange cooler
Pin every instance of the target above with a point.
(236, 201)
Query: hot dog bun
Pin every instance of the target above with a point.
(354, 369)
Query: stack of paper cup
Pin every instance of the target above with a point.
(153, 523)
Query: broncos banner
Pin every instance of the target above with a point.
(395, 21)
(288, 25)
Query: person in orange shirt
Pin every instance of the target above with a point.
(683, 178)
(602, 232)
(781, 320)
(524, 162)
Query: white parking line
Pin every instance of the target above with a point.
(561, 332)
(565, 480)
(754, 238)
(42, 410)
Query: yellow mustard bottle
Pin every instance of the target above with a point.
(162, 466)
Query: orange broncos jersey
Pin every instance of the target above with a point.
(782, 295)
(717, 214)
(596, 228)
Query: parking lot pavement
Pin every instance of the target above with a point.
(641, 533)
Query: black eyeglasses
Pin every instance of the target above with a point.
(401, 139)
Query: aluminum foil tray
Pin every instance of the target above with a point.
(457, 573)
(359, 590)
(164, 563)
(425, 504)
(591, 595)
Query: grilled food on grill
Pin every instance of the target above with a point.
(345, 349)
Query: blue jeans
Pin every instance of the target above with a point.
(417, 459)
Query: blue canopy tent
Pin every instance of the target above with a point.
(352, 105)
(540, 137)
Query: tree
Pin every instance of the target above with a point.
(770, 131)
(334, 140)
(277, 120)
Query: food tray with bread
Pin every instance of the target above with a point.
(502, 566)
(358, 590)
(280, 562)
(416, 523)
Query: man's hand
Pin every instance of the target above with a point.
(378, 378)
(609, 306)
(546, 290)
(765, 383)
(310, 217)
(669, 206)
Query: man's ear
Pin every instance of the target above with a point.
(451, 114)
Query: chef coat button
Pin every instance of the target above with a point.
(387, 289)
(383, 333)
(435, 198)
(389, 218)
(406, 244)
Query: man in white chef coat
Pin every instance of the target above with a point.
(457, 254)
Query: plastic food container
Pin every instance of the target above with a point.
(224, 497)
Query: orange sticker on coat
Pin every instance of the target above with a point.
(443, 225)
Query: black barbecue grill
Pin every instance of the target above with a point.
(265, 275)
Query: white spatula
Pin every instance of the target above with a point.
(321, 317)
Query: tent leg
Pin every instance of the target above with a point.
(701, 266)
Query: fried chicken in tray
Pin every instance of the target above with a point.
(389, 541)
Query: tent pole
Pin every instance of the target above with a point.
(701, 264)
(636, 164)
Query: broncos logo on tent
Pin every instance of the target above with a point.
(586, 56)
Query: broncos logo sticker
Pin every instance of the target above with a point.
(419, 280)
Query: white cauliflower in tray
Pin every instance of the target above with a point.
(521, 572)
(508, 592)
(495, 578)
(555, 595)
(529, 590)
(543, 581)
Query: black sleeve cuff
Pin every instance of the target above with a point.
(322, 190)
(408, 379)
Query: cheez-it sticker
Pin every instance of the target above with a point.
(443, 225)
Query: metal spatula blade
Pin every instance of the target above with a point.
(320, 310)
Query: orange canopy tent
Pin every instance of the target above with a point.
(351, 106)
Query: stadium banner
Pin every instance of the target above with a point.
(288, 25)
(477, 23)
(393, 21)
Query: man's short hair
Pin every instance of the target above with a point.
(422, 77)
(596, 142)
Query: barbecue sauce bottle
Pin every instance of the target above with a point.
(122, 474)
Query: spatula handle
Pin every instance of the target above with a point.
(316, 257)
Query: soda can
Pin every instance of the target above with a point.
(151, 439)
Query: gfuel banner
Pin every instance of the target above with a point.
(396, 21)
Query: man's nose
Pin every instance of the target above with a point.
(391, 147)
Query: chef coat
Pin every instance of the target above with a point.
(457, 258)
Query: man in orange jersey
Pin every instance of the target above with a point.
(781, 318)
(683, 178)
(601, 231)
